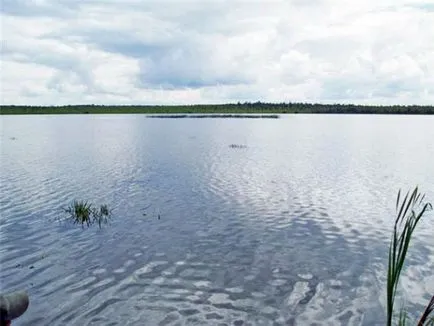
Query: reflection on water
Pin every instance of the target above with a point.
(291, 228)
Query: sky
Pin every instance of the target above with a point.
(213, 51)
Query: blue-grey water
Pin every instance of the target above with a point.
(291, 228)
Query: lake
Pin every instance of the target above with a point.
(215, 221)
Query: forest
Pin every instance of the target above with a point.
(233, 108)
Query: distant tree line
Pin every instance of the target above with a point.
(246, 107)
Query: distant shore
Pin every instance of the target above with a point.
(258, 108)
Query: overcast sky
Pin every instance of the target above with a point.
(212, 51)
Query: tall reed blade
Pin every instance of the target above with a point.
(428, 310)
(409, 212)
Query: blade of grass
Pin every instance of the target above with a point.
(402, 317)
(428, 310)
(405, 224)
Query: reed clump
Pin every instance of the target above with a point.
(410, 210)
(86, 214)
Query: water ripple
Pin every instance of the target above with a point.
(273, 233)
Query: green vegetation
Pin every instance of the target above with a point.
(409, 212)
(234, 108)
(202, 116)
(85, 213)
(237, 146)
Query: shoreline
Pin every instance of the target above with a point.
(229, 110)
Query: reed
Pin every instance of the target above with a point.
(85, 213)
(409, 210)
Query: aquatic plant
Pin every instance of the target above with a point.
(428, 310)
(409, 212)
(215, 116)
(237, 146)
(85, 213)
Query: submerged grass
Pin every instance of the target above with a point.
(85, 213)
(409, 212)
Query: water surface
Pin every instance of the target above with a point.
(291, 227)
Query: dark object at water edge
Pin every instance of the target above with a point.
(13, 305)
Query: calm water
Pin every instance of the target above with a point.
(293, 229)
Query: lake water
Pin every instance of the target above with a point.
(291, 228)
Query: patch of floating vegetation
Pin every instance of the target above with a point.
(221, 116)
(85, 213)
(237, 146)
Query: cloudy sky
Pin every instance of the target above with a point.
(215, 51)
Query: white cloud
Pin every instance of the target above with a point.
(136, 52)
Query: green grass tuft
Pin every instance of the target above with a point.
(86, 214)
